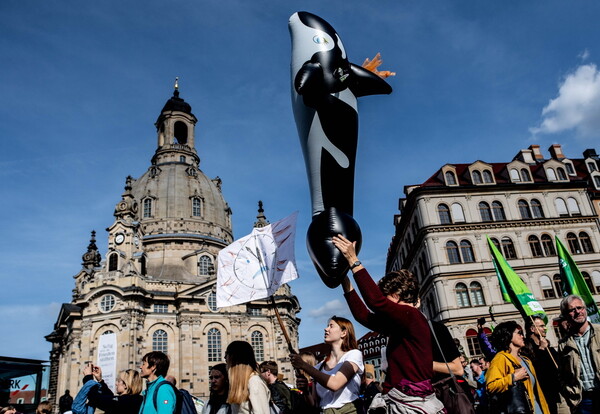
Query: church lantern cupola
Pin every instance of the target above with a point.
(175, 128)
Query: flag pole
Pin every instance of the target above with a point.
(272, 300)
(540, 335)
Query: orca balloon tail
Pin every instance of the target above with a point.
(330, 263)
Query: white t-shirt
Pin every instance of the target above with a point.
(350, 391)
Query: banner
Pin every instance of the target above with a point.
(514, 290)
(255, 266)
(107, 359)
(573, 283)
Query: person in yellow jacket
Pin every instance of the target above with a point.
(508, 367)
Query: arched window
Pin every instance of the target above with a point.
(196, 207)
(550, 174)
(476, 294)
(477, 177)
(525, 176)
(508, 248)
(466, 251)
(548, 245)
(570, 168)
(514, 175)
(113, 261)
(535, 246)
(547, 289)
(524, 209)
(181, 133)
(536, 209)
(444, 214)
(147, 207)
(485, 211)
(160, 341)
(557, 281)
(573, 243)
(496, 243)
(586, 242)
(457, 213)
(573, 206)
(205, 266)
(592, 166)
(143, 268)
(258, 344)
(452, 251)
(561, 174)
(473, 342)
(487, 177)
(597, 181)
(596, 280)
(561, 207)
(588, 282)
(462, 295)
(213, 345)
(211, 301)
(450, 178)
(498, 211)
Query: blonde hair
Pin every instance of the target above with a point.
(133, 381)
(238, 383)
(310, 359)
(44, 408)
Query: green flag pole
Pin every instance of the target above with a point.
(514, 290)
(573, 283)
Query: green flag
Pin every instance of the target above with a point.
(573, 283)
(514, 290)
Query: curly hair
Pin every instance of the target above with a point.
(402, 282)
(502, 335)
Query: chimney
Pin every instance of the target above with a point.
(590, 153)
(537, 154)
(556, 152)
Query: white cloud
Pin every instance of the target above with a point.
(577, 106)
(584, 55)
(333, 307)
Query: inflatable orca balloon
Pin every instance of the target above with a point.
(324, 91)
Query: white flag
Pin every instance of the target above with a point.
(255, 266)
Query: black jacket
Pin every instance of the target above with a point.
(103, 398)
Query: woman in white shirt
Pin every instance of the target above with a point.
(337, 378)
(248, 392)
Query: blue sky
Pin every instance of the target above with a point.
(83, 82)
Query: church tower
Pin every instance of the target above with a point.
(155, 288)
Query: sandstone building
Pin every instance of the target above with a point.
(521, 204)
(155, 286)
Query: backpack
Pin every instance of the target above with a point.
(184, 401)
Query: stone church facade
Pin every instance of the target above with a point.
(155, 287)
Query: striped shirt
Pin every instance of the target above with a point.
(588, 374)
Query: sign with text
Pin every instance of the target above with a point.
(107, 359)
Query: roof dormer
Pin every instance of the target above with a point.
(449, 175)
(519, 172)
(481, 173)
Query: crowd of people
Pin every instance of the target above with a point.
(425, 370)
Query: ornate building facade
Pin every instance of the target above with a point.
(155, 288)
(440, 234)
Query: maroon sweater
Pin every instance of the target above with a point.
(409, 345)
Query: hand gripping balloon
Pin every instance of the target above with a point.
(324, 91)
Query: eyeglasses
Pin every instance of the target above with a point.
(520, 333)
(576, 308)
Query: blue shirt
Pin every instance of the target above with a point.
(165, 401)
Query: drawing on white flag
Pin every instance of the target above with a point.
(254, 266)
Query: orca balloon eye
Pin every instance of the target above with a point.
(320, 40)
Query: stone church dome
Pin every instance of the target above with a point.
(182, 212)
